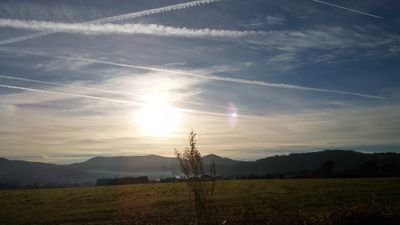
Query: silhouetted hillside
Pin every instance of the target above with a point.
(128, 163)
(208, 159)
(322, 163)
(22, 173)
(343, 159)
(345, 163)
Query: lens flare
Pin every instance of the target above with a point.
(232, 115)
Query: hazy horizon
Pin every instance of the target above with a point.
(252, 78)
(80, 158)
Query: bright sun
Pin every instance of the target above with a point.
(157, 118)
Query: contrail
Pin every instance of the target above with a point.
(25, 37)
(152, 11)
(70, 94)
(84, 88)
(230, 79)
(348, 9)
(62, 85)
(211, 77)
(148, 29)
(116, 18)
(112, 100)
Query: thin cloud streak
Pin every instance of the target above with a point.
(116, 18)
(63, 85)
(147, 29)
(69, 94)
(152, 11)
(87, 88)
(348, 9)
(233, 80)
(210, 77)
(110, 100)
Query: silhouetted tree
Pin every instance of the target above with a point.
(192, 173)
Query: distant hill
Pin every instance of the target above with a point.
(21, 173)
(351, 163)
(209, 159)
(344, 161)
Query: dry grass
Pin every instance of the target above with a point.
(275, 202)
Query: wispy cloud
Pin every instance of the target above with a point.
(97, 94)
(339, 39)
(148, 29)
(275, 20)
(237, 80)
(219, 78)
(116, 19)
(334, 128)
(348, 9)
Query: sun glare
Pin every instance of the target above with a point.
(158, 118)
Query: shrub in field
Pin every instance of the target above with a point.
(201, 187)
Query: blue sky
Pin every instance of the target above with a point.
(253, 78)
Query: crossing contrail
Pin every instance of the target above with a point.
(230, 79)
(211, 77)
(116, 19)
(348, 9)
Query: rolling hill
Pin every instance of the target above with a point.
(20, 173)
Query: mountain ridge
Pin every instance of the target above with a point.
(21, 172)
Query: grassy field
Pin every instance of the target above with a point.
(312, 201)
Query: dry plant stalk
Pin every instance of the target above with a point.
(201, 188)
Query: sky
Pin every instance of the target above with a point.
(252, 78)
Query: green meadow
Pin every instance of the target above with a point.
(297, 201)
